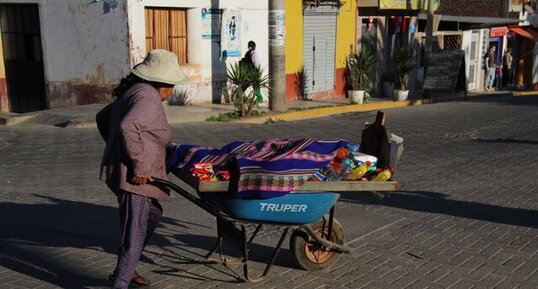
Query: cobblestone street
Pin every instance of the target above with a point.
(465, 215)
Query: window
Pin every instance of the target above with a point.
(166, 28)
(369, 33)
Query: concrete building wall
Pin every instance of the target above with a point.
(206, 66)
(345, 40)
(88, 47)
(84, 49)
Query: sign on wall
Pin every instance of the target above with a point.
(231, 33)
(408, 4)
(445, 71)
(498, 31)
(277, 29)
(211, 23)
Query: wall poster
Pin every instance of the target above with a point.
(277, 28)
(231, 33)
(211, 23)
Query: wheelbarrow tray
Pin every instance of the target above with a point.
(306, 205)
(292, 208)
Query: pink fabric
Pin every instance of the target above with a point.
(137, 133)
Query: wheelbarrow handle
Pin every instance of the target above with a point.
(197, 201)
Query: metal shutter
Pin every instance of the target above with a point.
(319, 49)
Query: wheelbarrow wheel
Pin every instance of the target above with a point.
(311, 255)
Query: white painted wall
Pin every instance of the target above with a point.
(84, 45)
(205, 65)
(81, 44)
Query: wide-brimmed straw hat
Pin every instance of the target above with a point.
(160, 66)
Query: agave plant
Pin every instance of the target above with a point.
(247, 80)
(360, 67)
(403, 66)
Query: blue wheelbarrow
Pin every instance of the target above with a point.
(317, 238)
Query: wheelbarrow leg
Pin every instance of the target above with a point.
(236, 236)
(254, 234)
(218, 246)
(271, 262)
(331, 218)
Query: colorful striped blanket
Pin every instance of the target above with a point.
(262, 168)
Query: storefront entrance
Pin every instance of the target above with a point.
(23, 57)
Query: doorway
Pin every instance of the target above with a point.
(319, 44)
(23, 57)
(475, 61)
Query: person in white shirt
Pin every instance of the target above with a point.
(251, 58)
(252, 54)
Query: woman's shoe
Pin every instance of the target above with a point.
(137, 279)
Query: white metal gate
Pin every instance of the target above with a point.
(475, 62)
(319, 48)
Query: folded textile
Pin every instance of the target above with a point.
(261, 168)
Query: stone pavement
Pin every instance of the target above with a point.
(465, 216)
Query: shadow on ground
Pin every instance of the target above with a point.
(507, 99)
(438, 203)
(507, 140)
(38, 240)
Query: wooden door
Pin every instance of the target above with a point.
(23, 57)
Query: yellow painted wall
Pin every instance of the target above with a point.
(345, 31)
(294, 35)
(345, 35)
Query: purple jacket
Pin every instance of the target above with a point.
(136, 132)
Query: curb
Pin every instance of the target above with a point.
(525, 93)
(15, 119)
(327, 111)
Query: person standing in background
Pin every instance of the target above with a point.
(507, 67)
(489, 66)
(251, 58)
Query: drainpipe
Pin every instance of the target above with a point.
(277, 58)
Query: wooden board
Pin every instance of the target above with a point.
(334, 186)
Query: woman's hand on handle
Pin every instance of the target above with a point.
(141, 179)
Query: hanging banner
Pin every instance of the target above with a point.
(277, 28)
(408, 4)
(231, 33)
(211, 23)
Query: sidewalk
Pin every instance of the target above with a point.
(83, 116)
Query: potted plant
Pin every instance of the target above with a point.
(403, 66)
(360, 67)
(388, 78)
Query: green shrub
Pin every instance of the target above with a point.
(246, 80)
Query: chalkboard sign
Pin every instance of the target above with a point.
(445, 71)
